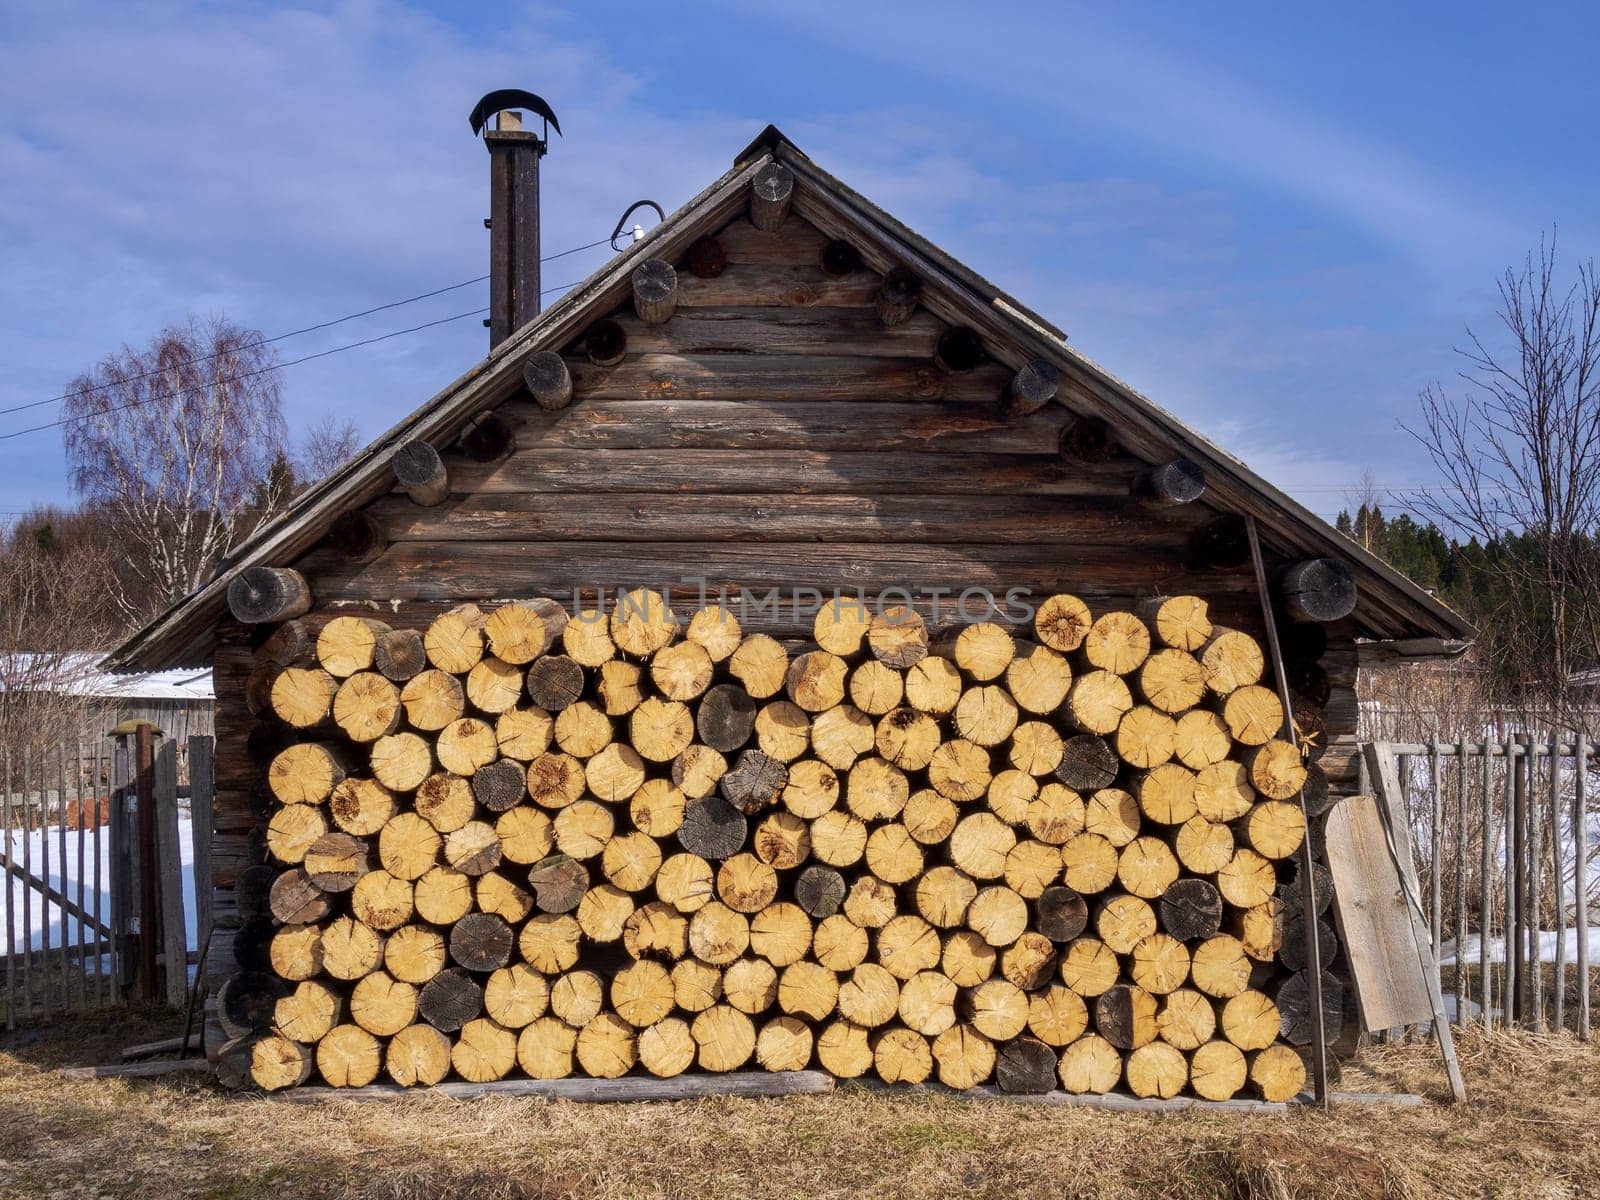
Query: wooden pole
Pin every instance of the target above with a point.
(144, 749)
(1516, 796)
(11, 956)
(1308, 896)
(1535, 909)
(1580, 825)
(1435, 918)
(1461, 883)
(1486, 892)
(1555, 880)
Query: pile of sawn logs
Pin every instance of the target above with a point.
(522, 843)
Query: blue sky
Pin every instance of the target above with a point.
(1274, 220)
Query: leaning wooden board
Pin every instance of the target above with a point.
(1374, 925)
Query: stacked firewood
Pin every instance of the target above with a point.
(523, 842)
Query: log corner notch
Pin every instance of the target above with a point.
(1033, 386)
(547, 379)
(958, 350)
(655, 291)
(357, 537)
(267, 595)
(770, 194)
(488, 438)
(898, 296)
(1087, 439)
(421, 474)
(1318, 589)
(1169, 484)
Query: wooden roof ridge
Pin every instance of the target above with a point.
(182, 635)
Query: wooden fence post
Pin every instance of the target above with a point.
(169, 856)
(201, 792)
(123, 863)
(1580, 824)
(149, 870)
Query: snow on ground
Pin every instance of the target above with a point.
(1547, 948)
(45, 862)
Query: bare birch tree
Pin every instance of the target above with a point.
(175, 443)
(327, 445)
(1518, 447)
(55, 616)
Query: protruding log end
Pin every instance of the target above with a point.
(605, 343)
(421, 474)
(1033, 386)
(898, 296)
(357, 537)
(548, 380)
(1177, 482)
(839, 258)
(1088, 439)
(770, 194)
(655, 291)
(489, 438)
(1319, 589)
(265, 595)
(958, 350)
(706, 259)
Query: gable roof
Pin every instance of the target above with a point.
(1391, 608)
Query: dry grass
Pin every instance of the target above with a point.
(1528, 1132)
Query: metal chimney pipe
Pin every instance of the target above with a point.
(514, 154)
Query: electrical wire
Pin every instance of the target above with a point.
(367, 312)
(383, 337)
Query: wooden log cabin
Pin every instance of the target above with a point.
(781, 390)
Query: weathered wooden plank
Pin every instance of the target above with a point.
(796, 286)
(169, 855)
(818, 331)
(757, 376)
(164, 1046)
(202, 784)
(786, 472)
(1109, 1101)
(437, 570)
(798, 244)
(915, 425)
(651, 517)
(592, 1091)
(1374, 922)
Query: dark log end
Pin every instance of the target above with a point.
(450, 999)
(1191, 909)
(260, 595)
(1033, 386)
(1062, 913)
(839, 258)
(770, 194)
(481, 941)
(655, 290)
(754, 782)
(1319, 589)
(605, 343)
(898, 295)
(1088, 763)
(1309, 683)
(420, 472)
(819, 890)
(547, 379)
(706, 259)
(487, 439)
(958, 350)
(554, 682)
(1088, 439)
(713, 828)
(1169, 484)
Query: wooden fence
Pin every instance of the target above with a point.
(87, 878)
(1503, 836)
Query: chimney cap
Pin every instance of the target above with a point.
(507, 98)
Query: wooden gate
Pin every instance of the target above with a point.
(79, 877)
